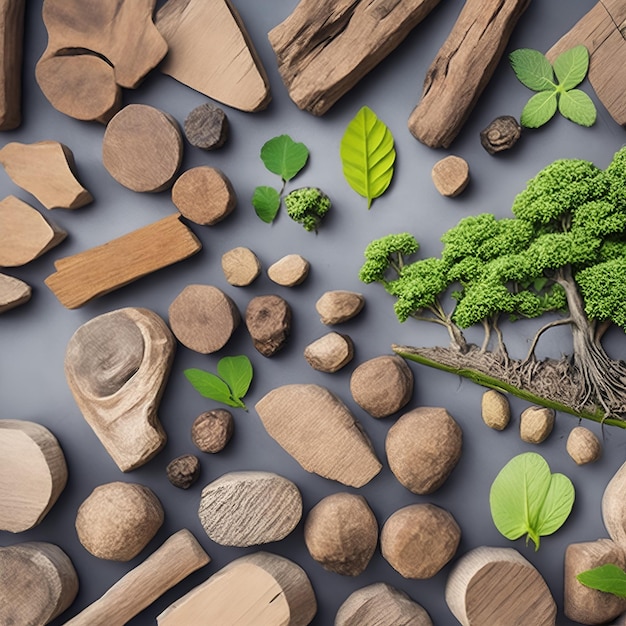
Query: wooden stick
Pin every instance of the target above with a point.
(11, 39)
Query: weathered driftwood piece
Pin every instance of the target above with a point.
(495, 409)
(11, 40)
(268, 320)
(462, 68)
(498, 586)
(536, 424)
(260, 589)
(318, 430)
(204, 195)
(289, 271)
(92, 52)
(97, 271)
(451, 175)
(46, 170)
(142, 148)
(183, 471)
(117, 520)
(178, 557)
(500, 134)
(330, 352)
(33, 473)
(583, 446)
(212, 430)
(614, 507)
(249, 508)
(211, 52)
(203, 318)
(241, 266)
(37, 582)
(378, 604)
(325, 47)
(601, 31)
(206, 127)
(116, 366)
(338, 306)
(341, 533)
(25, 233)
(13, 292)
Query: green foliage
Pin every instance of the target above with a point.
(307, 206)
(367, 155)
(608, 578)
(603, 287)
(534, 70)
(266, 202)
(385, 253)
(527, 499)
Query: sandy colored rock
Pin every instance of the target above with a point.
(495, 409)
(536, 424)
(13, 292)
(450, 175)
(380, 604)
(206, 127)
(581, 603)
(241, 266)
(614, 507)
(382, 385)
(212, 430)
(183, 471)
(419, 539)
(583, 445)
(341, 533)
(268, 319)
(423, 447)
(289, 271)
(336, 307)
(319, 431)
(117, 520)
(249, 508)
(330, 352)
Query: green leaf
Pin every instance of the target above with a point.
(539, 283)
(525, 498)
(539, 109)
(283, 156)
(532, 69)
(236, 371)
(367, 155)
(608, 578)
(210, 386)
(571, 67)
(266, 202)
(578, 107)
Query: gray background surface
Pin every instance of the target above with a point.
(33, 337)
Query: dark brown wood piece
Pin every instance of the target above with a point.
(11, 40)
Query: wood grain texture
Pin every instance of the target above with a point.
(13, 292)
(11, 42)
(33, 473)
(178, 557)
(241, 266)
(46, 170)
(25, 234)
(211, 52)
(97, 271)
(260, 589)
(116, 366)
(462, 68)
(318, 430)
(325, 47)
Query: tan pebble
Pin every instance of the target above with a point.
(583, 446)
(496, 410)
(336, 307)
(268, 320)
(450, 175)
(212, 430)
(289, 271)
(329, 353)
(536, 423)
(241, 266)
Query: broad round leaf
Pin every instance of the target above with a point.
(578, 107)
(236, 371)
(283, 156)
(539, 109)
(608, 578)
(532, 69)
(557, 505)
(266, 202)
(210, 386)
(571, 67)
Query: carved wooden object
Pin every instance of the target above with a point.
(25, 233)
(13, 292)
(37, 583)
(116, 366)
(462, 68)
(260, 589)
(211, 52)
(97, 271)
(178, 557)
(46, 170)
(11, 40)
(33, 473)
(325, 47)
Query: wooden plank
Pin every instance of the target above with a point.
(11, 42)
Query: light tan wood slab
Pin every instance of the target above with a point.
(13, 292)
(11, 41)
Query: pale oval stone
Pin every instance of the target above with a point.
(330, 353)
(289, 271)
(336, 307)
(583, 446)
(496, 410)
(249, 508)
(241, 266)
(614, 507)
(423, 447)
(536, 424)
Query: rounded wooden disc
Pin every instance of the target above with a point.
(142, 148)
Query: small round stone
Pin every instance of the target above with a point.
(583, 446)
(536, 424)
(183, 471)
(329, 353)
(211, 431)
(241, 266)
(289, 271)
(496, 410)
(206, 127)
(338, 306)
(451, 175)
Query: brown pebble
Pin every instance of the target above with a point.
(336, 307)
(450, 175)
(268, 319)
(289, 271)
(501, 134)
(183, 471)
(329, 353)
(206, 127)
(211, 431)
(241, 266)
(583, 446)
(536, 423)
(496, 410)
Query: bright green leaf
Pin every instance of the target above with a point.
(367, 155)
(578, 107)
(236, 371)
(571, 67)
(608, 578)
(266, 202)
(539, 109)
(210, 386)
(283, 156)
(532, 69)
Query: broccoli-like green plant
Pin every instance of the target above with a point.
(307, 206)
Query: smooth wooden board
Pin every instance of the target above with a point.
(11, 42)
(13, 292)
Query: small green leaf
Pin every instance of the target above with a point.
(539, 283)
(571, 67)
(210, 386)
(367, 155)
(237, 372)
(266, 202)
(539, 109)
(283, 156)
(578, 107)
(608, 578)
(532, 69)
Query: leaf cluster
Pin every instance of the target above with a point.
(307, 206)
